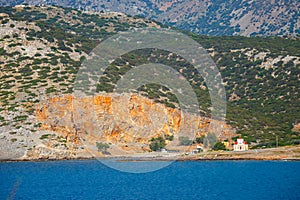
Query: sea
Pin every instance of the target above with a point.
(182, 180)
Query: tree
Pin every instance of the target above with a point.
(102, 147)
(169, 137)
(209, 140)
(185, 141)
(157, 143)
(219, 146)
(200, 139)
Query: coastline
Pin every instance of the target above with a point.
(288, 153)
(151, 160)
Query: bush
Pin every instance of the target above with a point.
(4, 21)
(45, 136)
(2, 51)
(169, 137)
(219, 146)
(209, 140)
(157, 143)
(199, 140)
(20, 118)
(102, 147)
(185, 141)
(13, 140)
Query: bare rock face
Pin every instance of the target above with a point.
(296, 127)
(127, 121)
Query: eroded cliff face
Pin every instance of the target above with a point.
(126, 121)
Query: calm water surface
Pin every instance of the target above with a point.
(180, 180)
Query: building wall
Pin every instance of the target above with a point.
(240, 147)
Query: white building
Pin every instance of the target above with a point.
(240, 145)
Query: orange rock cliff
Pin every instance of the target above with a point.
(122, 119)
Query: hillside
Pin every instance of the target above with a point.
(208, 17)
(42, 49)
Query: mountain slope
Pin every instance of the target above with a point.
(42, 49)
(209, 17)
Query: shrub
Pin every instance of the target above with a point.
(102, 147)
(209, 140)
(157, 143)
(21, 118)
(45, 136)
(2, 51)
(219, 146)
(13, 140)
(38, 125)
(199, 140)
(185, 141)
(4, 21)
(169, 137)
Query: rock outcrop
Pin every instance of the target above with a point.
(128, 121)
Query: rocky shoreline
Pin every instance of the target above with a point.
(290, 153)
(155, 159)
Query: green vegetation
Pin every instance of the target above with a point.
(157, 144)
(102, 147)
(219, 146)
(169, 137)
(185, 141)
(266, 97)
(13, 139)
(20, 118)
(210, 140)
(38, 125)
(45, 136)
(199, 140)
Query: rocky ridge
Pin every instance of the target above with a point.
(208, 17)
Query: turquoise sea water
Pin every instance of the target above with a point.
(90, 179)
